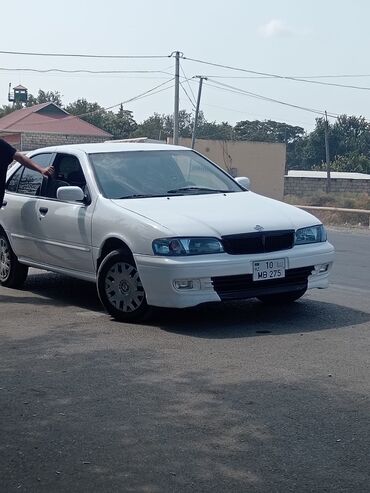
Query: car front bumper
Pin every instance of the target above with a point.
(306, 266)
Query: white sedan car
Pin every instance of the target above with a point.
(156, 225)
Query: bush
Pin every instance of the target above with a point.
(345, 200)
(322, 199)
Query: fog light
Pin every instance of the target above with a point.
(321, 268)
(183, 284)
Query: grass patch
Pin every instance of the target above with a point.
(345, 200)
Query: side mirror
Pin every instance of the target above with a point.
(70, 194)
(243, 181)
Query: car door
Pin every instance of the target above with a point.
(65, 227)
(19, 210)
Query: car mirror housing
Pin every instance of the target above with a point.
(70, 194)
(243, 181)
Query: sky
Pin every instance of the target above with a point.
(287, 38)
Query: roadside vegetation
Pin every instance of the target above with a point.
(344, 200)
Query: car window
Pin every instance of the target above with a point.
(197, 171)
(42, 159)
(68, 172)
(156, 173)
(12, 185)
(30, 183)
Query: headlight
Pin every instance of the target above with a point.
(186, 246)
(313, 234)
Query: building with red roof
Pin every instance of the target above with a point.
(46, 124)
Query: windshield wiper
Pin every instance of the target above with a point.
(138, 196)
(197, 189)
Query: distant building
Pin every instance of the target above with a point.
(262, 162)
(46, 124)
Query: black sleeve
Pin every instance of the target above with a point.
(6, 153)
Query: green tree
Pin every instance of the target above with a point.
(45, 97)
(310, 151)
(213, 130)
(121, 124)
(6, 109)
(350, 134)
(272, 131)
(349, 145)
(153, 127)
(355, 162)
(90, 112)
(160, 127)
(267, 131)
(185, 124)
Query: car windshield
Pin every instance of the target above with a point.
(136, 174)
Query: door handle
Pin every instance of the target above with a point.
(43, 211)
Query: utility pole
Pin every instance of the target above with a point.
(201, 79)
(176, 108)
(286, 144)
(327, 154)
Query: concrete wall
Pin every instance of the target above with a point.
(262, 162)
(34, 140)
(308, 186)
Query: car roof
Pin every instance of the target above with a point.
(112, 147)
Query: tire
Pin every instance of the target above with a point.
(288, 297)
(12, 272)
(120, 288)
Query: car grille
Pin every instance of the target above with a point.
(259, 242)
(242, 286)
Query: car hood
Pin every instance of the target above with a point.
(218, 214)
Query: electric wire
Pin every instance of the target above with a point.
(236, 90)
(276, 76)
(259, 77)
(243, 112)
(83, 71)
(142, 95)
(82, 55)
(189, 98)
(191, 90)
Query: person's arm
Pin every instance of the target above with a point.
(28, 163)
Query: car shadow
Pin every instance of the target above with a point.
(251, 318)
(248, 318)
(63, 290)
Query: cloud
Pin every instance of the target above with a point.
(275, 28)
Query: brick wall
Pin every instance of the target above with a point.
(307, 186)
(34, 140)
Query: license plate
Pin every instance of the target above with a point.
(265, 270)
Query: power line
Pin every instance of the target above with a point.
(142, 95)
(82, 55)
(243, 112)
(185, 91)
(354, 76)
(236, 90)
(191, 90)
(83, 71)
(275, 76)
(261, 74)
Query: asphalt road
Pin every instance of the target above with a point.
(233, 397)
